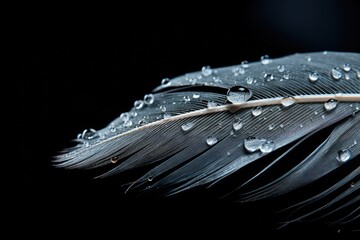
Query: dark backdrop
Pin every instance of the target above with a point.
(72, 73)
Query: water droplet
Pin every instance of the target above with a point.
(268, 77)
(112, 128)
(330, 104)
(162, 108)
(133, 114)
(249, 80)
(124, 116)
(150, 179)
(346, 67)
(149, 99)
(128, 123)
(325, 52)
(238, 94)
(281, 68)
(347, 76)
(286, 102)
(271, 126)
(165, 81)
(196, 95)
(142, 122)
(336, 73)
(89, 134)
(206, 71)
(253, 144)
(343, 155)
(308, 59)
(238, 124)
(265, 59)
(286, 76)
(256, 111)
(211, 104)
(358, 74)
(186, 98)
(313, 77)
(114, 159)
(187, 126)
(217, 79)
(316, 112)
(138, 104)
(245, 64)
(267, 147)
(211, 140)
(352, 184)
(301, 125)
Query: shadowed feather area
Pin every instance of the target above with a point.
(285, 128)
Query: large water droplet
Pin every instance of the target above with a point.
(267, 146)
(265, 59)
(330, 104)
(138, 104)
(343, 155)
(187, 126)
(253, 144)
(211, 140)
(238, 124)
(238, 94)
(346, 67)
(149, 99)
(286, 102)
(256, 111)
(206, 71)
(336, 73)
(313, 77)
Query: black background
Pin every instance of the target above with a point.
(80, 69)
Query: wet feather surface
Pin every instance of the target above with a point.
(203, 128)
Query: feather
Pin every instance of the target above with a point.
(204, 128)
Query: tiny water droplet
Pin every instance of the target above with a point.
(211, 140)
(343, 155)
(265, 59)
(238, 124)
(128, 123)
(271, 126)
(89, 134)
(142, 122)
(308, 59)
(245, 64)
(358, 74)
(313, 77)
(162, 108)
(347, 76)
(286, 102)
(238, 94)
(268, 77)
(281, 68)
(316, 112)
(165, 81)
(138, 104)
(166, 115)
(149, 99)
(211, 104)
(186, 98)
(206, 71)
(112, 128)
(346, 67)
(336, 73)
(217, 79)
(124, 116)
(325, 52)
(196, 95)
(267, 147)
(86, 144)
(352, 184)
(301, 125)
(330, 104)
(114, 159)
(133, 114)
(150, 179)
(256, 111)
(249, 80)
(187, 126)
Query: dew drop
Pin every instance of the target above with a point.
(249, 80)
(347, 76)
(206, 71)
(138, 104)
(238, 94)
(128, 123)
(330, 104)
(343, 155)
(114, 159)
(166, 115)
(238, 124)
(150, 179)
(211, 140)
(124, 116)
(149, 99)
(196, 95)
(253, 144)
(352, 184)
(308, 59)
(313, 77)
(336, 73)
(165, 81)
(358, 74)
(186, 98)
(89, 134)
(346, 67)
(271, 126)
(268, 77)
(265, 59)
(286, 102)
(162, 108)
(256, 111)
(286, 76)
(281, 68)
(187, 126)
(267, 147)
(245, 64)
